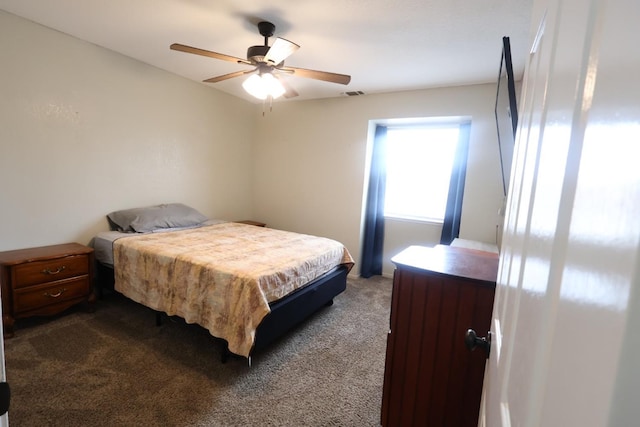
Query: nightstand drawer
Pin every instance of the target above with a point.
(51, 293)
(32, 273)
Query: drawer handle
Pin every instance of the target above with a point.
(56, 271)
(57, 294)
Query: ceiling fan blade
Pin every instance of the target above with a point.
(228, 76)
(280, 50)
(210, 54)
(289, 91)
(319, 75)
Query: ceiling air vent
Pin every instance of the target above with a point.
(353, 93)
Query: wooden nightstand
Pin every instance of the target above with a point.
(44, 281)
(250, 222)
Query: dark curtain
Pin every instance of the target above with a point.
(451, 225)
(373, 240)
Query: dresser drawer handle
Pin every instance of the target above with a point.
(57, 294)
(56, 271)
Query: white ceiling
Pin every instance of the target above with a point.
(385, 45)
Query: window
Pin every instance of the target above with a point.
(419, 162)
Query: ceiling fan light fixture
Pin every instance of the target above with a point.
(263, 85)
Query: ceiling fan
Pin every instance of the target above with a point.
(268, 63)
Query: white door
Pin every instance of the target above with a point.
(564, 351)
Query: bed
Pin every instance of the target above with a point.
(246, 285)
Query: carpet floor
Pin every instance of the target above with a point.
(114, 367)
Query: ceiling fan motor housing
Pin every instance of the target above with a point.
(257, 53)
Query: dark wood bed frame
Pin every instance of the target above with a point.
(286, 313)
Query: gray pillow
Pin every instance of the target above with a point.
(143, 220)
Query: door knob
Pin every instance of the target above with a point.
(472, 340)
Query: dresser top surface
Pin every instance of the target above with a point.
(43, 252)
(451, 261)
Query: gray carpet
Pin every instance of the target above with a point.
(114, 367)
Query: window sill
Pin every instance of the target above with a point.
(414, 220)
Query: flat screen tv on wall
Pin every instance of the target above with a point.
(506, 111)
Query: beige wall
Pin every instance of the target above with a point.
(311, 156)
(86, 131)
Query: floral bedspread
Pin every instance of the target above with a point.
(223, 276)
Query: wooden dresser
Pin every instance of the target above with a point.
(44, 281)
(431, 378)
